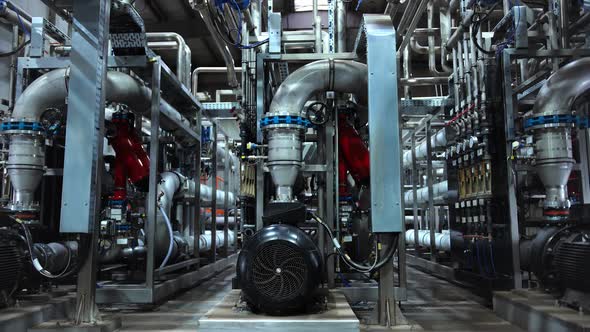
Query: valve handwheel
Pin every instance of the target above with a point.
(317, 113)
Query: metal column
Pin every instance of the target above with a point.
(512, 204)
(152, 203)
(213, 251)
(387, 213)
(430, 174)
(226, 179)
(84, 143)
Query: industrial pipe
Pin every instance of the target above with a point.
(183, 55)
(442, 241)
(284, 141)
(207, 70)
(437, 140)
(440, 192)
(553, 144)
(26, 151)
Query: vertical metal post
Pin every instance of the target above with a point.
(226, 181)
(213, 252)
(510, 181)
(415, 196)
(196, 211)
(430, 175)
(584, 139)
(331, 204)
(260, 108)
(83, 154)
(152, 203)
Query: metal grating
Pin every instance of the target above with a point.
(279, 271)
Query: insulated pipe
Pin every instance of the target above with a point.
(183, 56)
(26, 151)
(208, 70)
(431, 43)
(205, 241)
(437, 140)
(440, 193)
(442, 241)
(553, 144)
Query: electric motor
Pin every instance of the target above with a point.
(11, 264)
(279, 270)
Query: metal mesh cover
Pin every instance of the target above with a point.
(279, 270)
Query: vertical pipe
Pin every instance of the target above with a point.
(415, 177)
(564, 23)
(317, 28)
(341, 26)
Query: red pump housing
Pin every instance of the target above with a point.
(354, 154)
(131, 161)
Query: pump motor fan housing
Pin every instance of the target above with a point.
(279, 270)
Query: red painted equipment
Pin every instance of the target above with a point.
(354, 154)
(131, 161)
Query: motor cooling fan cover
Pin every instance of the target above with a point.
(279, 269)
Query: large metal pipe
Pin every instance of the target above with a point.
(318, 76)
(442, 241)
(26, 152)
(284, 142)
(553, 144)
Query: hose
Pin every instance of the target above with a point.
(377, 264)
(171, 246)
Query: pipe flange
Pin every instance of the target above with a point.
(17, 127)
(554, 121)
(284, 121)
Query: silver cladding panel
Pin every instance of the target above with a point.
(384, 133)
(85, 123)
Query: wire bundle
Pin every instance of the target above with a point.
(377, 264)
(225, 32)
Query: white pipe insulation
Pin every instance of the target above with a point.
(442, 241)
(205, 241)
(440, 191)
(437, 140)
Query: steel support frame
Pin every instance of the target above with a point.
(510, 110)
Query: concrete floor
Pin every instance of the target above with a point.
(433, 305)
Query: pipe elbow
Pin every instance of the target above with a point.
(323, 75)
(562, 88)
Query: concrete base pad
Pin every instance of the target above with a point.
(534, 310)
(109, 324)
(27, 314)
(230, 315)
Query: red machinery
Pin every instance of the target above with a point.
(132, 161)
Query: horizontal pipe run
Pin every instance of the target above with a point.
(442, 241)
